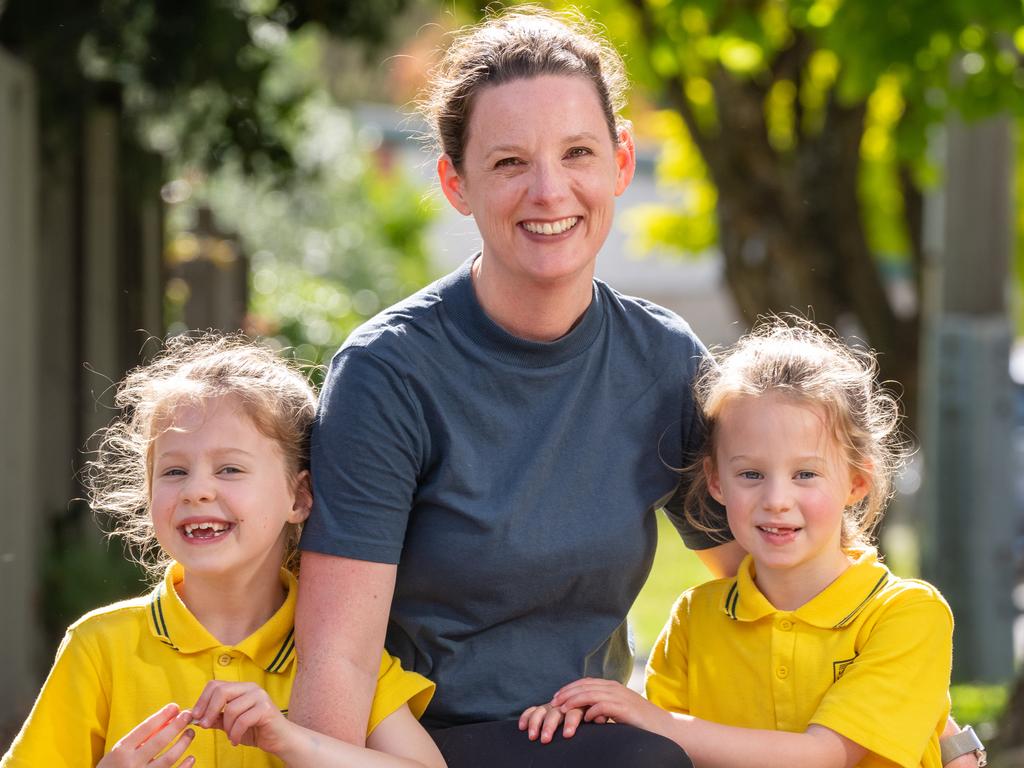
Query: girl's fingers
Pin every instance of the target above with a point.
(524, 718)
(550, 724)
(159, 740)
(170, 757)
(145, 730)
(572, 722)
(536, 721)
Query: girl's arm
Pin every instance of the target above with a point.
(337, 671)
(247, 715)
(711, 745)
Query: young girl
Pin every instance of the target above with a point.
(814, 654)
(207, 474)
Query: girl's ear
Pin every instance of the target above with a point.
(860, 486)
(714, 483)
(303, 501)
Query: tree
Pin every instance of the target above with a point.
(797, 138)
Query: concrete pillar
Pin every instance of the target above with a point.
(969, 509)
(20, 343)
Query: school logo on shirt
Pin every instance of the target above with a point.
(839, 667)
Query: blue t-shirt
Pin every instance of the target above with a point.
(513, 482)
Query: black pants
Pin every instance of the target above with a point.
(502, 745)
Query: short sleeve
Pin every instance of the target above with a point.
(894, 696)
(68, 722)
(395, 687)
(666, 683)
(366, 453)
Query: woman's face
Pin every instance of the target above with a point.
(540, 176)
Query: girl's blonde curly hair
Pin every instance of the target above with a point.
(797, 359)
(191, 370)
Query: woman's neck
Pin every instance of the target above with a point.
(528, 309)
(790, 588)
(229, 608)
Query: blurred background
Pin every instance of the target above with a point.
(257, 165)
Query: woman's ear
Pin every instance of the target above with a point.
(303, 501)
(713, 481)
(452, 185)
(625, 160)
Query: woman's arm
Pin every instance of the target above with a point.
(723, 560)
(711, 745)
(340, 622)
(247, 715)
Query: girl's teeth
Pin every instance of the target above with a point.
(213, 527)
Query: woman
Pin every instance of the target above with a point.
(490, 452)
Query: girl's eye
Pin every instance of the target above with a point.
(806, 475)
(173, 472)
(750, 474)
(230, 470)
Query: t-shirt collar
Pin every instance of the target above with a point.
(271, 647)
(460, 303)
(834, 608)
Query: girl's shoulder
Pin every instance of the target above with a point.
(124, 616)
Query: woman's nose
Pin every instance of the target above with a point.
(549, 182)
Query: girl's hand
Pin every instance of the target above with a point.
(609, 700)
(245, 713)
(141, 745)
(543, 720)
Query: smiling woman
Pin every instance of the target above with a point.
(490, 452)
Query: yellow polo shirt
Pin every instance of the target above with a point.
(120, 664)
(869, 657)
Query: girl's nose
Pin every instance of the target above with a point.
(778, 495)
(197, 490)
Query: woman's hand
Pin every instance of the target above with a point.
(141, 745)
(543, 720)
(245, 713)
(608, 700)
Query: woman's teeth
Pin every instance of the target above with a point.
(204, 530)
(551, 227)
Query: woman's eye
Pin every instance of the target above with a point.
(507, 162)
(579, 152)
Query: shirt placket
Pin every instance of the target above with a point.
(783, 677)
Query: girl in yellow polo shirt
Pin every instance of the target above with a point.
(207, 474)
(814, 654)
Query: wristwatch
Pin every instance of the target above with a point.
(960, 744)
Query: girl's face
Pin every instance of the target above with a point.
(221, 494)
(540, 176)
(785, 484)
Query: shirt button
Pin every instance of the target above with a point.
(785, 625)
(224, 659)
(782, 673)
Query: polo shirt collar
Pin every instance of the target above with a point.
(271, 647)
(834, 608)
